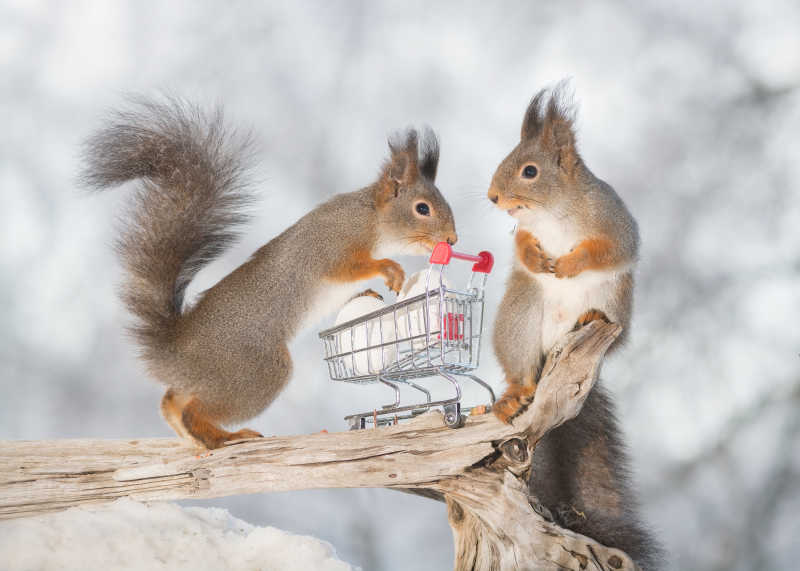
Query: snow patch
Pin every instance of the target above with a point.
(132, 535)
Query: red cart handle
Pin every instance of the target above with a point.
(443, 252)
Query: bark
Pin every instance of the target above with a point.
(480, 469)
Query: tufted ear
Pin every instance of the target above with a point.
(560, 137)
(532, 122)
(429, 157)
(549, 119)
(402, 168)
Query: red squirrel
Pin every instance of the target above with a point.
(575, 248)
(225, 357)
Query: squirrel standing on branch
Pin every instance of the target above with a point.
(225, 359)
(576, 245)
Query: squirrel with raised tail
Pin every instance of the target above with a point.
(225, 358)
(575, 249)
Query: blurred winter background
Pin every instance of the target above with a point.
(691, 110)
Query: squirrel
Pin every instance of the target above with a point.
(576, 246)
(225, 357)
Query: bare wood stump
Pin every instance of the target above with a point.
(480, 469)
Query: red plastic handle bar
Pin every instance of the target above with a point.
(443, 252)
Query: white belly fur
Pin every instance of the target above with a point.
(566, 299)
(330, 298)
(556, 237)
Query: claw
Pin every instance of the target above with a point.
(368, 292)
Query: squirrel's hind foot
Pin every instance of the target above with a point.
(589, 316)
(187, 417)
(243, 434)
(514, 401)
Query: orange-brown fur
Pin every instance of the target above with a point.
(530, 252)
(202, 427)
(172, 410)
(359, 265)
(515, 399)
(589, 316)
(590, 254)
(186, 417)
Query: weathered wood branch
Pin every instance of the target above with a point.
(481, 469)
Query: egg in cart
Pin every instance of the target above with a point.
(433, 334)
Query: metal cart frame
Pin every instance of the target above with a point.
(433, 334)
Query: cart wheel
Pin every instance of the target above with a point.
(452, 415)
(356, 423)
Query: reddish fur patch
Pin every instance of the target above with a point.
(203, 430)
(590, 254)
(530, 252)
(589, 316)
(516, 399)
(360, 265)
(172, 411)
(478, 410)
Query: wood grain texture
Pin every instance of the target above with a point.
(480, 469)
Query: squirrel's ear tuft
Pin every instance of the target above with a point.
(403, 164)
(402, 168)
(532, 122)
(550, 118)
(429, 155)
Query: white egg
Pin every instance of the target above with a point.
(411, 319)
(362, 342)
(357, 307)
(416, 283)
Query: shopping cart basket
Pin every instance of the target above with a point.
(433, 334)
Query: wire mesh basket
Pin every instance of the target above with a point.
(434, 334)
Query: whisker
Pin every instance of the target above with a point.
(527, 199)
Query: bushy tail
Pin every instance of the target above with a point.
(581, 474)
(185, 211)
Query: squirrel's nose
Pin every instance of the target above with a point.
(494, 198)
(452, 239)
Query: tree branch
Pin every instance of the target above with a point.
(481, 469)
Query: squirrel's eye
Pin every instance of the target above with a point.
(423, 209)
(530, 171)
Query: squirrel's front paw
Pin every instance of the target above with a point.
(393, 274)
(368, 292)
(531, 254)
(567, 266)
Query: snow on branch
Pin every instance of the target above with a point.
(480, 469)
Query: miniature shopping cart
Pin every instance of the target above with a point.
(435, 334)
